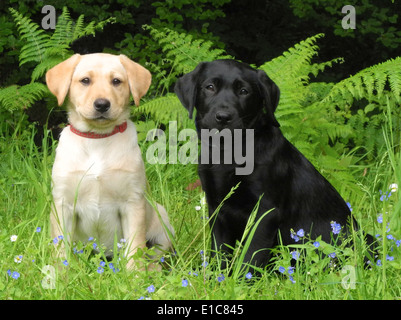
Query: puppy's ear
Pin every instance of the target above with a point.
(186, 89)
(271, 95)
(58, 78)
(139, 78)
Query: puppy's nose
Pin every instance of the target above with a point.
(101, 105)
(223, 117)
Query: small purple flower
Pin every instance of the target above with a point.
(248, 275)
(65, 262)
(332, 255)
(389, 258)
(151, 288)
(291, 279)
(281, 269)
(316, 244)
(290, 270)
(184, 283)
(100, 270)
(380, 219)
(335, 227)
(295, 255)
(296, 236)
(300, 233)
(38, 229)
(220, 278)
(15, 275)
(384, 196)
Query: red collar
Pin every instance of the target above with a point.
(92, 135)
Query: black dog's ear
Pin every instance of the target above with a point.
(186, 89)
(271, 95)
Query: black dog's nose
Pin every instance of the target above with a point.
(223, 117)
(101, 105)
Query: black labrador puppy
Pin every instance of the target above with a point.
(232, 97)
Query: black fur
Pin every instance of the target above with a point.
(230, 94)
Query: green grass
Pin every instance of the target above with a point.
(25, 200)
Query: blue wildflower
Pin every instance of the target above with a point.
(221, 278)
(65, 262)
(335, 227)
(297, 235)
(316, 244)
(184, 283)
(100, 270)
(384, 196)
(102, 264)
(295, 255)
(281, 269)
(380, 219)
(389, 258)
(291, 279)
(290, 270)
(15, 275)
(38, 229)
(332, 255)
(248, 275)
(151, 288)
(379, 262)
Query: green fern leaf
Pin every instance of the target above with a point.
(20, 97)
(37, 41)
(165, 109)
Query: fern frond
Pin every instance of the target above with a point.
(46, 65)
(37, 41)
(369, 83)
(20, 97)
(184, 51)
(165, 109)
(292, 62)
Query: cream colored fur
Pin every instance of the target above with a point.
(99, 185)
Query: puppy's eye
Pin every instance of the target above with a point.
(243, 92)
(210, 87)
(85, 81)
(116, 82)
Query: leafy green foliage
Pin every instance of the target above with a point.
(182, 53)
(21, 97)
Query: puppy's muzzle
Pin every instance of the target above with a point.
(101, 105)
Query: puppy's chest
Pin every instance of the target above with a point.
(96, 177)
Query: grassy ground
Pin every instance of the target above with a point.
(28, 270)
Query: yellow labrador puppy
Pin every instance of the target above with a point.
(98, 175)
